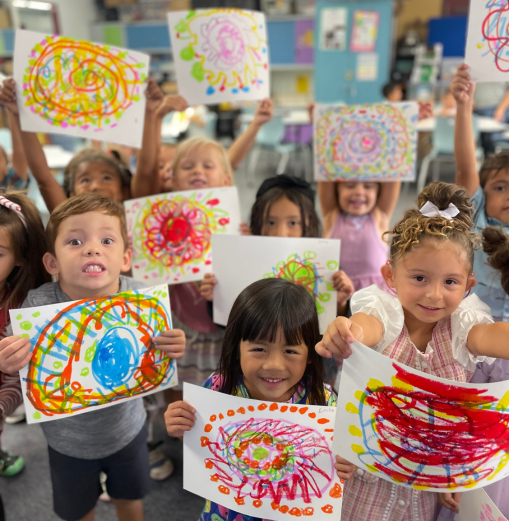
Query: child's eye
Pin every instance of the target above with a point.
(450, 282)
(271, 223)
(75, 242)
(419, 278)
(108, 241)
(84, 180)
(499, 188)
(107, 178)
(294, 223)
(291, 352)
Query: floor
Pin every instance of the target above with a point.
(28, 496)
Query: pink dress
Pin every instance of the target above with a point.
(367, 496)
(363, 252)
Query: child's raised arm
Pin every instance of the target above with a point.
(329, 203)
(387, 199)
(52, 193)
(489, 340)
(19, 161)
(242, 145)
(464, 143)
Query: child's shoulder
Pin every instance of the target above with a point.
(48, 293)
(213, 382)
(129, 284)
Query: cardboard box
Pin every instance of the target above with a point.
(5, 18)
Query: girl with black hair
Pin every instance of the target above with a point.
(268, 354)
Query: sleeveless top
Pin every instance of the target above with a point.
(363, 252)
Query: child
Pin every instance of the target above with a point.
(22, 246)
(88, 248)
(268, 354)
(392, 92)
(15, 176)
(428, 325)
(489, 190)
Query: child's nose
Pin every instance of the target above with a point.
(274, 363)
(435, 292)
(92, 248)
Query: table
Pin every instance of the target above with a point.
(484, 125)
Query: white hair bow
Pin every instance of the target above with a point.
(431, 210)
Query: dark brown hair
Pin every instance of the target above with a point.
(496, 245)
(493, 164)
(29, 247)
(80, 204)
(262, 310)
(311, 226)
(416, 227)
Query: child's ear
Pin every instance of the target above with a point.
(126, 260)
(471, 283)
(51, 264)
(228, 180)
(388, 275)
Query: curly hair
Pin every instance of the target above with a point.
(416, 227)
(496, 245)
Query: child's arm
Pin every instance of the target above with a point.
(242, 145)
(343, 331)
(386, 202)
(343, 285)
(179, 418)
(19, 161)
(328, 195)
(464, 143)
(489, 340)
(10, 394)
(172, 342)
(52, 193)
(15, 354)
(207, 287)
(450, 500)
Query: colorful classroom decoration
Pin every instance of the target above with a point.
(308, 262)
(94, 353)
(80, 88)
(365, 142)
(364, 31)
(220, 55)
(171, 233)
(262, 459)
(417, 430)
(476, 505)
(487, 44)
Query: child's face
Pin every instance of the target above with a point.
(7, 257)
(272, 370)
(166, 156)
(283, 220)
(357, 198)
(430, 280)
(496, 190)
(99, 178)
(395, 95)
(89, 255)
(202, 168)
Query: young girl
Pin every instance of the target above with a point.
(22, 246)
(268, 354)
(429, 324)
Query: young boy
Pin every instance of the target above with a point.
(489, 190)
(88, 245)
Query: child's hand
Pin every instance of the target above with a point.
(338, 337)
(245, 229)
(344, 469)
(8, 95)
(343, 285)
(450, 500)
(264, 112)
(14, 354)
(170, 104)
(179, 418)
(172, 342)
(154, 96)
(207, 287)
(425, 109)
(461, 87)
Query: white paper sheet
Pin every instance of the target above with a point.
(94, 353)
(220, 55)
(309, 262)
(415, 429)
(476, 505)
(365, 142)
(79, 88)
(263, 459)
(171, 233)
(487, 49)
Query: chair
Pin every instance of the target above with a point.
(270, 137)
(443, 149)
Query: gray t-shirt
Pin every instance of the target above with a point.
(488, 95)
(95, 434)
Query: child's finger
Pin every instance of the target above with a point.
(180, 405)
(322, 350)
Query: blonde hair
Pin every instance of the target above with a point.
(184, 148)
(80, 204)
(416, 227)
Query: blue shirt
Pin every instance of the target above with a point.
(489, 288)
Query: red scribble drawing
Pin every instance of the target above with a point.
(495, 32)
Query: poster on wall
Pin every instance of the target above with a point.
(364, 31)
(333, 28)
(367, 67)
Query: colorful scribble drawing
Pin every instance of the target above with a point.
(73, 83)
(494, 32)
(227, 47)
(272, 460)
(426, 434)
(361, 142)
(487, 514)
(305, 272)
(174, 233)
(64, 376)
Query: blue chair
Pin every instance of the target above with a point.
(270, 137)
(443, 149)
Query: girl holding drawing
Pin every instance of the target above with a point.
(268, 354)
(429, 323)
